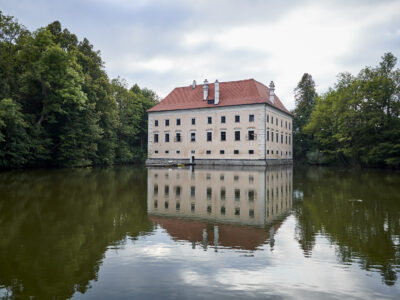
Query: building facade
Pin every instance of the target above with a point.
(239, 122)
(224, 206)
(251, 197)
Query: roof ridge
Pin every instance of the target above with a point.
(190, 85)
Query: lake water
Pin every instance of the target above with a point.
(131, 232)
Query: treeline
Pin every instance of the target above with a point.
(57, 105)
(357, 122)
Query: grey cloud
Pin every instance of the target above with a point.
(129, 30)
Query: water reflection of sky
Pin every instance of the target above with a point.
(157, 266)
(103, 237)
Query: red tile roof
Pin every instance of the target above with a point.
(232, 236)
(241, 92)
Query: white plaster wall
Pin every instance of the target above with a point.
(201, 145)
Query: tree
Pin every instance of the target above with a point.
(61, 108)
(357, 122)
(305, 96)
(14, 141)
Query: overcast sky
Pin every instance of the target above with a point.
(164, 44)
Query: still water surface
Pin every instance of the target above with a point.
(132, 232)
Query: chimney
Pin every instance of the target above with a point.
(272, 92)
(205, 90)
(194, 84)
(216, 87)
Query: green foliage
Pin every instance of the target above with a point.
(14, 141)
(305, 96)
(52, 243)
(357, 211)
(66, 111)
(357, 122)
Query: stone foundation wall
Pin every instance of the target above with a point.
(218, 162)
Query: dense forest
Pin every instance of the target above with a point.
(57, 105)
(357, 122)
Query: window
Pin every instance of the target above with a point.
(272, 151)
(267, 151)
(281, 123)
(267, 118)
(193, 136)
(251, 195)
(237, 211)
(285, 139)
(178, 122)
(221, 177)
(155, 203)
(236, 177)
(155, 151)
(277, 138)
(209, 136)
(166, 190)
(208, 176)
(167, 122)
(251, 213)
(193, 151)
(166, 151)
(276, 121)
(167, 137)
(223, 210)
(221, 151)
(209, 120)
(251, 178)
(223, 119)
(192, 191)
(178, 206)
(223, 194)
(267, 135)
(251, 118)
(192, 207)
(178, 151)
(235, 151)
(193, 121)
(177, 191)
(237, 195)
(223, 136)
(251, 151)
(250, 135)
(156, 138)
(166, 204)
(155, 190)
(272, 136)
(178, 137)
(281, 138)
(237, 119)
(289, 139)
(272, 120)
(286, 124)
(209, 209)
(237, 135)
(209, 193)
(208, 152)
(156, 123)
(289, 125)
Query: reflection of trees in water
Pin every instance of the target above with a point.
(56, 226)
(359, 211)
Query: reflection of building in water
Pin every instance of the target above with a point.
(253, 197)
